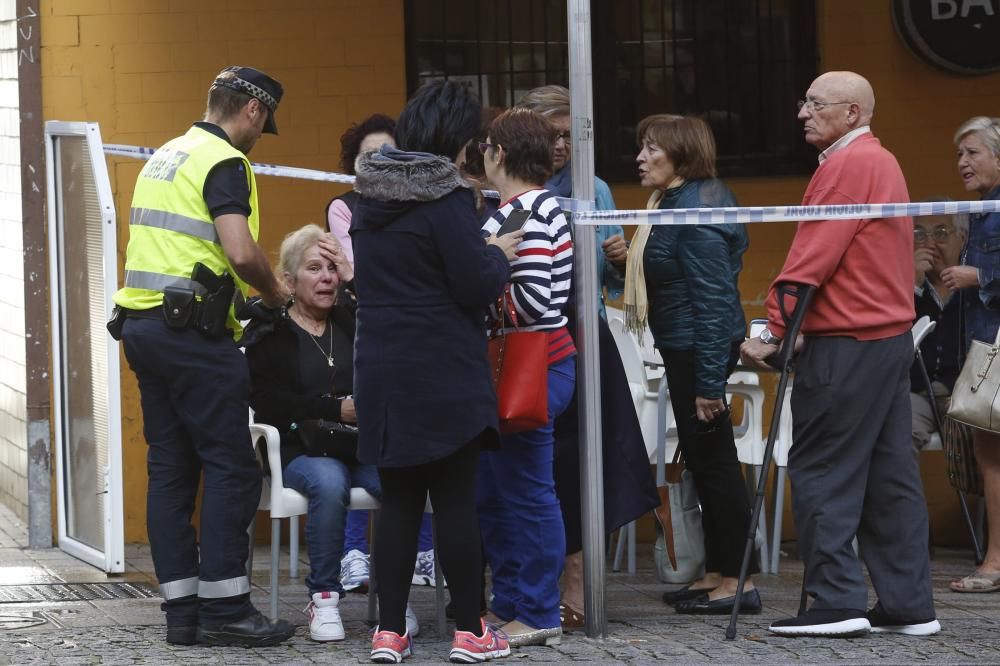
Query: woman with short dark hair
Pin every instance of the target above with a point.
(517, 490)
(684, 279)
(424, 278)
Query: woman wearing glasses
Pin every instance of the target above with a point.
(978, 143)
(522, 526)
(683, 279)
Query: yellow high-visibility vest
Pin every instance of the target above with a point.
(170, 228)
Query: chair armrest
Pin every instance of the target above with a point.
(272, 440)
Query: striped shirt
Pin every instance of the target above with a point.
(541, 274)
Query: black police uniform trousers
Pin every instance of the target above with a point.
(195, 393)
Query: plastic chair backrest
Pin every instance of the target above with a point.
(628, 349)
(921, 329)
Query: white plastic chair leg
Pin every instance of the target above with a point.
(275, 561)
(630, 528)
(762, 525)
(293, 548)
(250, 533)
(779, 507)
(616, 565)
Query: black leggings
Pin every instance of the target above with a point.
(710, 454)
(451, 483)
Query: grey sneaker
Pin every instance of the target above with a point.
(423, 569)
(354, 571)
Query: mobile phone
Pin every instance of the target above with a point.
(514, 221)
(756, 326)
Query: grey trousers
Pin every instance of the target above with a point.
(853, 472)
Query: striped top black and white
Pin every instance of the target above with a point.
(541, 274)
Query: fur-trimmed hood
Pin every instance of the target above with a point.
(389, 174)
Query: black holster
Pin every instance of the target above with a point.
(213, 310)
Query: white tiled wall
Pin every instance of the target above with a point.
(13, 429)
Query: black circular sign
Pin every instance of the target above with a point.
(962, 36)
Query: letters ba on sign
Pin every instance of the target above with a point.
(961, 36)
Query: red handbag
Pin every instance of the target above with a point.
(520, 363)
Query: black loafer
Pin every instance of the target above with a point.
(749, 605)
(253, 631)
(683, 594)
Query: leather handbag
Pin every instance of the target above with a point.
(330, 439)
(679, 552)
(520, 363)
(975, 400)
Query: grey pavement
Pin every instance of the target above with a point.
(640, 629)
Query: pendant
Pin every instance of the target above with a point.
(329, 361)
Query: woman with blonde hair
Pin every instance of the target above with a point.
(978, 144)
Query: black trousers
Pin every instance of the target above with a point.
(195, 394)
(853, 472)
(451, 483)
(709, 452)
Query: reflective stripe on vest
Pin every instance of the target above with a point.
(159, 282)
(161, 219)
(170, 226)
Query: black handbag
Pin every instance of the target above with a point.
(331, 439)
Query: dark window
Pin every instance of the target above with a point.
(740, 64)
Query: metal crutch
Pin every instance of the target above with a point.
(781, 359)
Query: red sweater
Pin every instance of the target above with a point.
(863, 268)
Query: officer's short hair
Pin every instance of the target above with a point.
(294, 247)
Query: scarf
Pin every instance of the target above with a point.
(636, 303)
(561, 182)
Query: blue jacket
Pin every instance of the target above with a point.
(982, 250)
(424, 278)
(692, 274)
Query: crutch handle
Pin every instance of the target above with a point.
(803, 294)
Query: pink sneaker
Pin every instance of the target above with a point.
(467, 648)
(388, 647)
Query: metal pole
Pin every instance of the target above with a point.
(588, 378)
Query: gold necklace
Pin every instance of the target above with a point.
(328, 357)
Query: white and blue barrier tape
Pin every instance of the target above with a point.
(584, 213)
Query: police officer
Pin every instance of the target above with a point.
(192, 247)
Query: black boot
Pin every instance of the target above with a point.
(252, 631)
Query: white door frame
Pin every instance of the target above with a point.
(112, 559)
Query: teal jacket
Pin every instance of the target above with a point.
(692, 273)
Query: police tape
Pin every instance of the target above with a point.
(144, 153)
(584, 213)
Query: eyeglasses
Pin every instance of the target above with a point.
(563, 136)
(815, 105)
(939, 235)
(483, 146)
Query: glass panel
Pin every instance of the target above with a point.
(84, 345)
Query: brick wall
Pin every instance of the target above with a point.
(141, 68)
(13, 429)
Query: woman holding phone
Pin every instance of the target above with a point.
(516, 494)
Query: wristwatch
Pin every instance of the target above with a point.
(769, 338)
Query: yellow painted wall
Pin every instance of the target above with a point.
(141, 68)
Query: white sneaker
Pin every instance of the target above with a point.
(324, 617)
(423, 569)
(354, 571)
(412, 626)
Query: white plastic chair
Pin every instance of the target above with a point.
(284, 502)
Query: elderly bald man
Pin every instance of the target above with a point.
(852, 467)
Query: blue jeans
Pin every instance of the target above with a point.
(327, 482)
(522, 527)
(356, 536)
